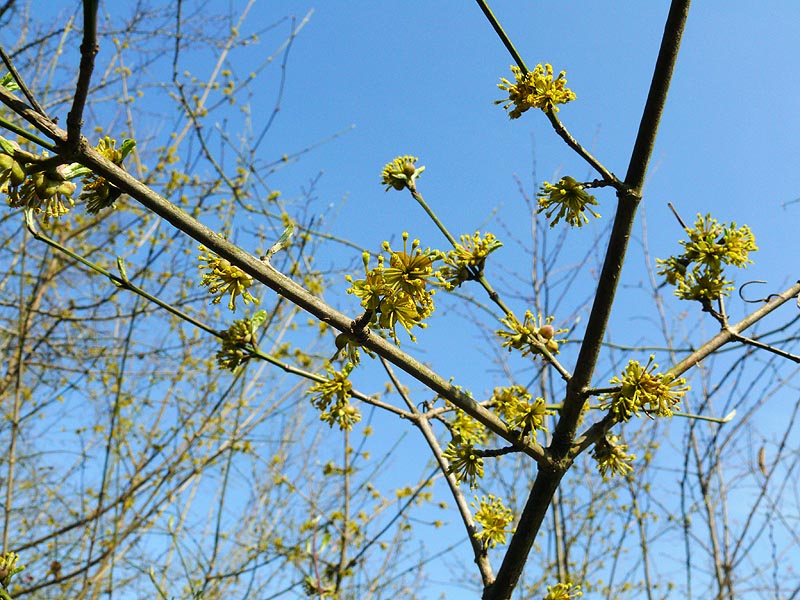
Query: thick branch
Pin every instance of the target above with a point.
(620, 233)
(89, 157)
(547, 481)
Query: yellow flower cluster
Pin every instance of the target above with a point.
(697, 274)
(465, 463)
(494, 519)
(332, 398)
(97, 191)
(224, 278)
(611, 457)
(50, 190)
(643, 389)
(568, 198)
(468, 258)
(401, 173)
(239, 341)
(532, 336)
(467, 429)
(515, 407)
(563, 591)
(399, 292)
(9, 568)
(535, 89)
(45, 191)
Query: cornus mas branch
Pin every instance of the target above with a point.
(548, 479)
(86, 155)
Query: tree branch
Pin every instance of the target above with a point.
(89, 49)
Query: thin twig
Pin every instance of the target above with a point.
(18, 79)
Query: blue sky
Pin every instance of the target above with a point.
(421, 79)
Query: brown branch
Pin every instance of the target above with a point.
(89, 49)
(547, 480)
(266, 274)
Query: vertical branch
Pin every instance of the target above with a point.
(89, 49)
(547, 480)
(12, 447)
(623, 224)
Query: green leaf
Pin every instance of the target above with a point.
(259, 319)
(283, 242)
(8, 82)
(127, 147)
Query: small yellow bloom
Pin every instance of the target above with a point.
(535, 89)
(494, 518)
(644, 389)
(401, 173)
(698, 273)
(532, 336)
(97, 191)
(563, 591)
(468, 258)
(224, 278)
(611, 457)
(239, 341)
(465, 464)
(468, 429)
(45, 191)
(570, 200)
(331, 397)
(399, 293)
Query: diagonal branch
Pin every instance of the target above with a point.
(266, 274)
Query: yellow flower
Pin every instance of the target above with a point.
(239, 341)
(97, 191)
(643, 389)
(398, 293)
(467, 259)
(698, 274)
(409, 271)
(514, 405)
(563, 591)
(531, 336)
(494, 518)
(401, 173)
(331, 397)
(535, 89)
(465, 464)
(569, 199)
(224, 278)
(468, 429)
(50, 189)
(611, 457)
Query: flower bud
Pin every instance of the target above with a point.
(547, 332)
